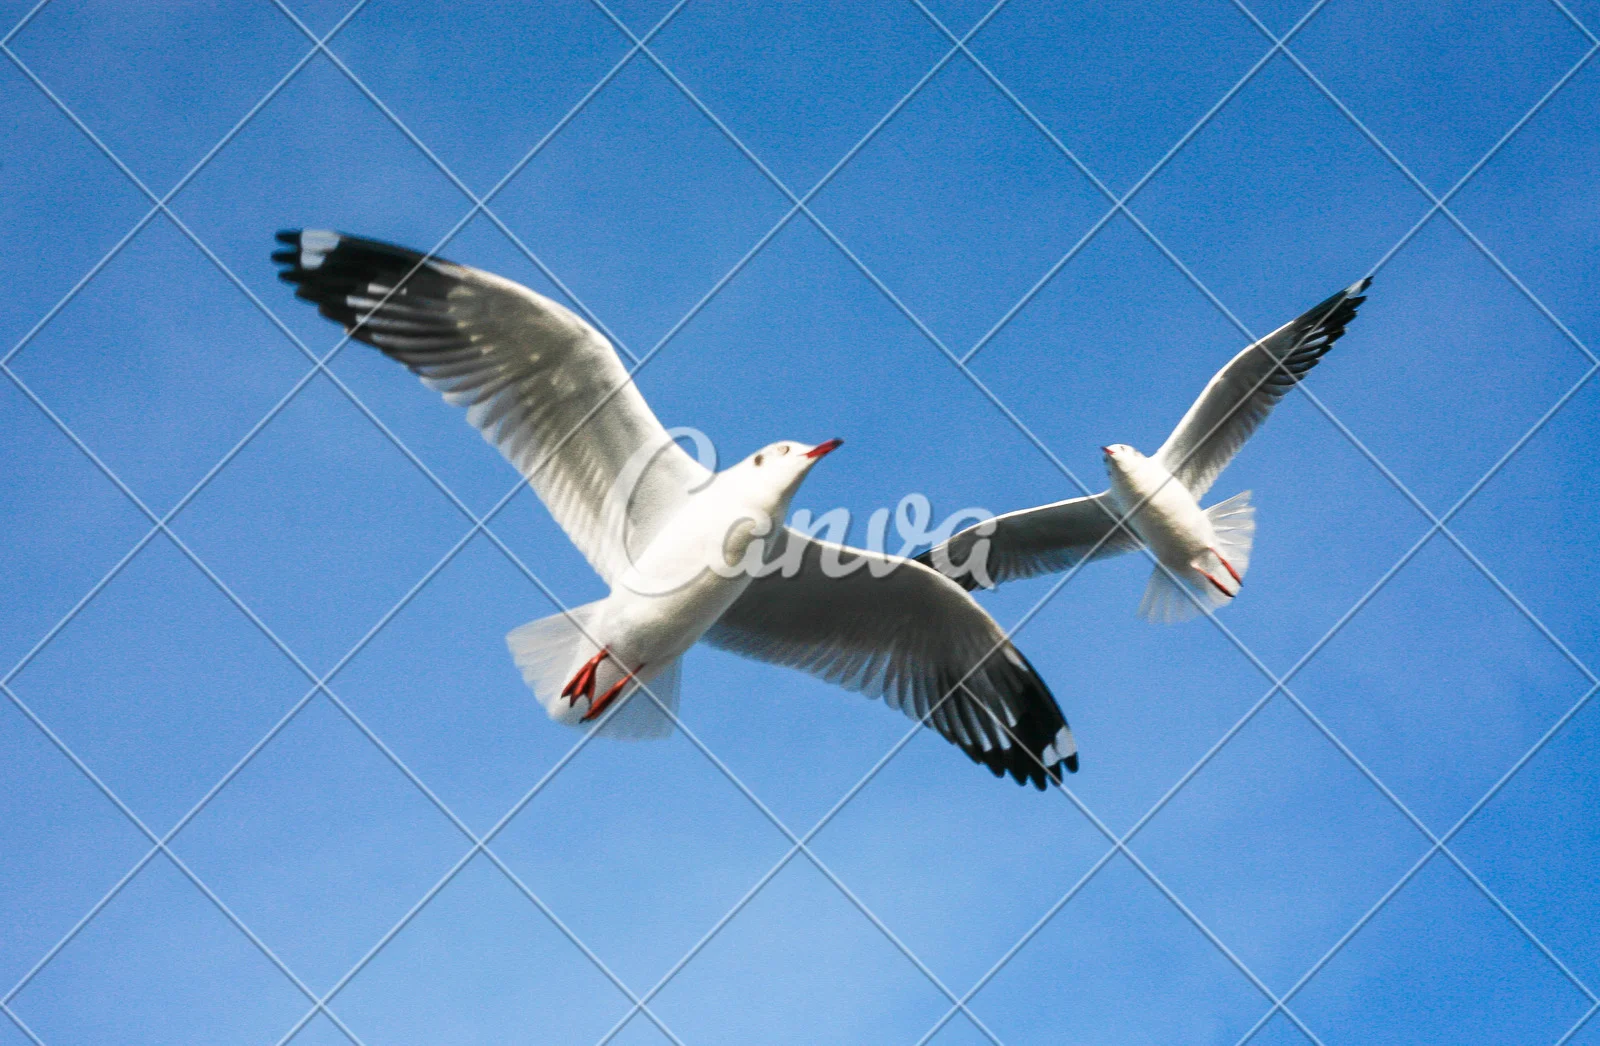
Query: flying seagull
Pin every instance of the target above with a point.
(671, 538)
(1206, 550)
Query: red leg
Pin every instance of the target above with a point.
(599, 705)
(582, 684)
(1237, 579)
(1217, 583)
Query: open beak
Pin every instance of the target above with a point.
(825, 448)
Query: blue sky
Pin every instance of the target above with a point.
(320, 528)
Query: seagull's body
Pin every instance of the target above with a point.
(673, 592)
(1154, 501)
(688, 554)
(1210, 553)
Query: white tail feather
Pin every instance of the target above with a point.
(549, 652)
(1167, 601)
(1233, 522)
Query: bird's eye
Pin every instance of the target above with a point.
(758, 461)
(783, 448)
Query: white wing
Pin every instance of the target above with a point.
(540, 384)
(1242, 394)
(909, 636)
(1032, 541)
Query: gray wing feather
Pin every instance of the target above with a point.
(1032, 541)
(895, 629)
(1241, 395)
(530, 373)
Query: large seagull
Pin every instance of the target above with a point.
(1154, 500)
(688, 554)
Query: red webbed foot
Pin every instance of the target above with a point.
(582, 684)
(599, 705)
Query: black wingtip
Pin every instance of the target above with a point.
(332, 269)
(1040, 733)
(1322, 325)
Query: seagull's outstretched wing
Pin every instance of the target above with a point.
(910, 636)
(1032, 541)
(1242, 394)
(540, 384)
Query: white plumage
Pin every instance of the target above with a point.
(667, 534)
(1157, 497)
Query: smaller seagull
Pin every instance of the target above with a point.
(1158, 497)
(688, 554)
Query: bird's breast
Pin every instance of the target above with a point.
(1165, 515)
(680, 585)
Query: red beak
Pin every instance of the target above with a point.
(825, 448)
(1105, 450)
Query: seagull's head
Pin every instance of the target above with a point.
(773, 473)
(1120, 457)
